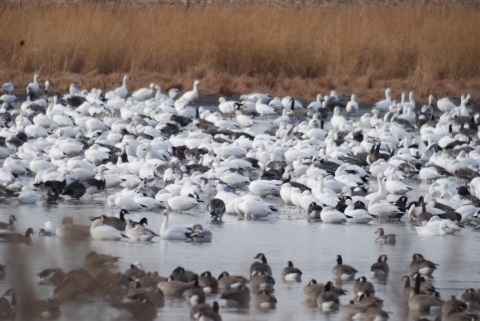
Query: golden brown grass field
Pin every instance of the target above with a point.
(293, 50)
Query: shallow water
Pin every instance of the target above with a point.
(288, 235)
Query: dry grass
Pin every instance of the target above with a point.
(300, 51)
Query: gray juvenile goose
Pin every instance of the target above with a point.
(385, 239)
(343, 271)
(260, 267)
(9, 225)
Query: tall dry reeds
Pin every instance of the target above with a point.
(300, 50)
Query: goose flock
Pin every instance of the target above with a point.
(257, 158)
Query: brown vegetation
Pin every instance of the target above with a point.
(233, 50)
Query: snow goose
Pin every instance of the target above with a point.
(384, 105)
(33, 87)
(394, 186)
(137, 232)
(337, 119)
(432, 230)
(8, 88)
(144, 94)
(253, 207)
(315, 105)
(174, 232)
(330, 215)
(445, 105)
(264, 188)
(437, 223)
(182, 203)
(100, 231)
(243, 120)
(227, 107)
(27, 196)
(264, 109)
(383, 209)
(192, 95)
(120, 92)
(352, 105)
(356, 216)
(128, 203)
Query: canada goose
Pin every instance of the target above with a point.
(454, 304)
(457, 314)
(422, 302)
(262, 281)
(362, 286)
(239, 297)
(93, 259)
(6, 310)
(367, 300)
(206, 312)
(195, 294)
(380, 269)
(227, 281)
(422, 266)
(9, 225)
(53, 276)
(291, 273)
(375, 314)
(472, 298)
(35, 309)
(385, 239)
(180, 274)
(155, 296)
(327, 300)
(343, 271)
(311, 291)
(17, 237)
(144, 310)
(174, 288)
(208, 282)
(351, 311)
(260, 267)
(117, 222)
(3, 272)
(265, 300)
(66, 291)
(135, 271)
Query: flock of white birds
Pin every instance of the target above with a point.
(153, 151)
